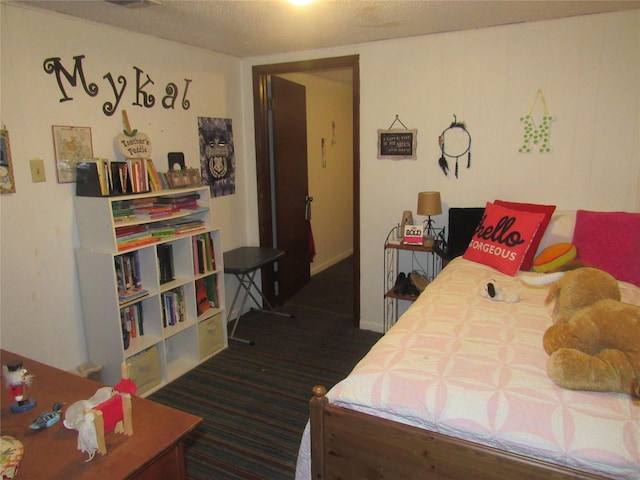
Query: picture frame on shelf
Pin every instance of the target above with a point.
(71, 146)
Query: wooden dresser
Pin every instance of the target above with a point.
(155, 451)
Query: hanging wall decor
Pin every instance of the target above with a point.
(454, 141)
(217, 155)
(71, 145)
(397, 144)
(7, 182)
(537, 134)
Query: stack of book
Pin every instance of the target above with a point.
(127, 268)
(132, 321)
(161, 230)
(122, 211)
(186, 225)
(150, 208)
(173, 308)
(188, 201)
(133, 236)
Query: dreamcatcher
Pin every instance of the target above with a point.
(454, 141)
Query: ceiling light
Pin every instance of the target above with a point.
(135, 3)
(300, 3)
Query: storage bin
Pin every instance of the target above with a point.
(210, 336)
(144, 369)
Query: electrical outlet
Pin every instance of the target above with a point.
(37, 170)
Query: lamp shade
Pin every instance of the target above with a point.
(429, 203)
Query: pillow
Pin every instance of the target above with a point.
(554, 257)
(560, 230)
(462, 224)
(547, 210)
(503, 237)
(609, 241)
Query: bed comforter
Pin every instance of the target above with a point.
(463, 365)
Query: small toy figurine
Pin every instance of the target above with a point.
(16, 379)
(48, 418)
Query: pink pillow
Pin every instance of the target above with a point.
(610, 241)
(547, 210)
(503, 237)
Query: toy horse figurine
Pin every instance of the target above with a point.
(109, 409)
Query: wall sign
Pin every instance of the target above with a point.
(397, 144)
(144, 94)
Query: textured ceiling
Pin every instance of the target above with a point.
(246, 28)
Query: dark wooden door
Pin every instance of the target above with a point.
(289, 130)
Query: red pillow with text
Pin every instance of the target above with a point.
(503, 238)
(610, 241)
(547, 210)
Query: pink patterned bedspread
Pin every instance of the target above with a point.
(467, 366)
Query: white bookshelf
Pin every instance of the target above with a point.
(162, 351)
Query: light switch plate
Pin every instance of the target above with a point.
(37, 170)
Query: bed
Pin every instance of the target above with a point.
(457, 389)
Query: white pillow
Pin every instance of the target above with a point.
(560, 229)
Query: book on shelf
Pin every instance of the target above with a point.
(204, 259)
(99, 177)
(155, 181)
(173, 307)
(132, 321)
(211, 287)
(165, 262)
(92, 177)
(202, 301)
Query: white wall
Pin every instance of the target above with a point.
(41, 311)
(588, 69)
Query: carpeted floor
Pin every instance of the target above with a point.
(254, 398)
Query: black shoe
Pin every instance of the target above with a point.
(411, 289)
(400, 287)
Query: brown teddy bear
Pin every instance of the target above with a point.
(594, 343)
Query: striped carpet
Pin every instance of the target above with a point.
(254, 398)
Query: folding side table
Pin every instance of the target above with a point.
(244, 262)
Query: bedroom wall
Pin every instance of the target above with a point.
(588, 69)
(331, 181)
(40, 301)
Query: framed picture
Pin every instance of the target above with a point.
(71, 145)
(175, 178)
(194, 175)
(397, 144)
(7, 183)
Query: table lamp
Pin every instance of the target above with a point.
(429, 204)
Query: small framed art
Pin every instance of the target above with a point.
(7, 183)
(71, 145)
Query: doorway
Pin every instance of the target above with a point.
(261, 74)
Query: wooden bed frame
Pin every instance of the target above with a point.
(350, 445)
